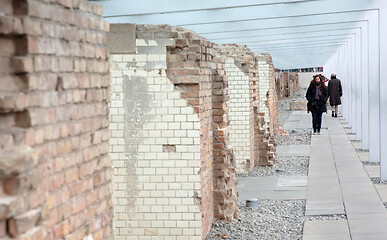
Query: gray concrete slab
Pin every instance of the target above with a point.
(367, 226)
(369, 216)
(364, 156)
(368, 236)
(299, 150)
(373, 171)
(357, 145)
(326, 228)
(268, 188)
(327, 237)
(382, 191)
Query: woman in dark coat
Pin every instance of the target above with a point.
(317, 95)
(335, 91)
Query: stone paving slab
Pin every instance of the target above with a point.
(327, 229)
(352, 136)
(373, 171)
(368, 236)
(366, 226)
(364, 156)
(271, 187)
(293, 150)
(292, 181)
(324, 195)
(382, 191)
(357, 145)
(300, 119)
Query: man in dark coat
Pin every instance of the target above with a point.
(335, 91)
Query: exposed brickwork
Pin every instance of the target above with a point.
(155, 149)
(197, 83)
(225, 193)
(190, 68)
(55, 172)
(287, 83)
(268, 108)
(242, 72)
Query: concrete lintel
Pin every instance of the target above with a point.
(122, 38)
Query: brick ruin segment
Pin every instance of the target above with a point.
(55, 171)
(242, 73)
(172, 101)
(287, 83)
(268, 108)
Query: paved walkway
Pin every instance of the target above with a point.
(337, 183)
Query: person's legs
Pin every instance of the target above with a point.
(333, 110)
(314, 121)
(318, 122)
(336, 110)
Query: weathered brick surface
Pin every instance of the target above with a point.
(287, 83)
(196, 179)
(54, 91)
(224, 165)
(242, 72)
(268, 108)
(190, 68)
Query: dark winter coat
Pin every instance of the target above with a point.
(335, 91)
(319, 105)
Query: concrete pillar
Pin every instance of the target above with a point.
(383, 87)
(348, 104)
(374, 87)
(358, 92)
(352, 62)
(364, 86)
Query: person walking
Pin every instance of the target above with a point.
(317, 96)
(335, 91)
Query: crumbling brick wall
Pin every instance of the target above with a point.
(185, 95)
(287, 83)
(224, 166)
(294, 85)
(190, 66)
(242, 73)
(55, 172)
(268, 106)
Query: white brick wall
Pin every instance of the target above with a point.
(153, 188)
(239, 114)
(263, 72)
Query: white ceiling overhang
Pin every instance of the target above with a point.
(298, 34)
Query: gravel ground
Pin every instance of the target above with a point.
(376, 180)
(361, 150)
(297, 137)
(328, 217)
(371, 163)
(286, 166)
(274, 219)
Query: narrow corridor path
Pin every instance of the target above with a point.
(339, 184)
(323, 186)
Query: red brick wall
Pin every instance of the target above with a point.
(293, 83)
(189, 67)
(248, 64)
(54, 167)
(272, 99)
(287, 83)
(201, 80)
(225, 193)
(190, 70)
